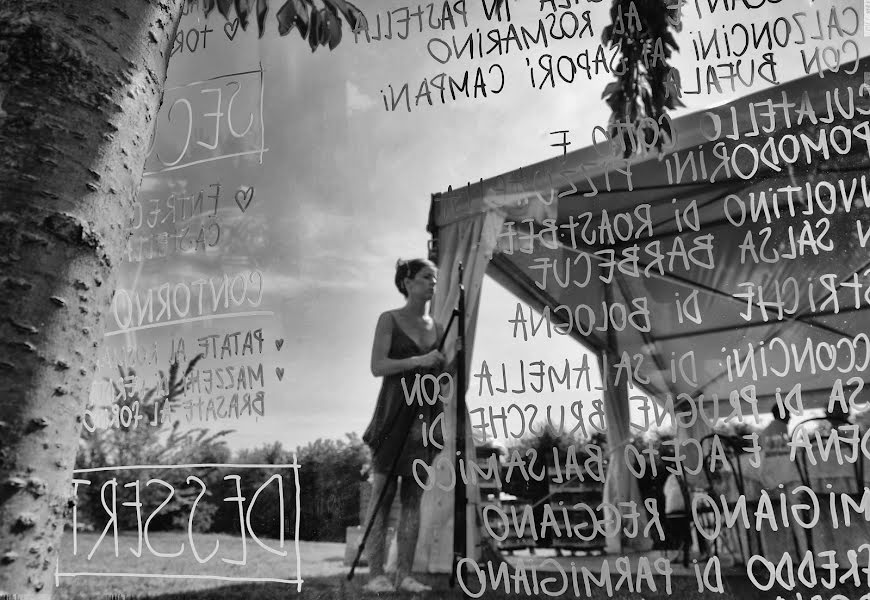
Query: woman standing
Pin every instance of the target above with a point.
(405, 347)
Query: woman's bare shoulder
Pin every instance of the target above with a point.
(387, 317)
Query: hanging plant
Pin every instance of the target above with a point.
(647, 86)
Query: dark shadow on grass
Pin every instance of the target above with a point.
(338, 587)
(313, 588)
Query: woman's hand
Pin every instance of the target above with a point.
(431, 360)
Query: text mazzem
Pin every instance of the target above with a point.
(241, 377)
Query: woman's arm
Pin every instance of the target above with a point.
(382, 365)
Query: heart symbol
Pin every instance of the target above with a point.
(244, 196)
(279, 343)
(231, 28)
(279, 372)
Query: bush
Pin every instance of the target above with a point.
(329, 476)
(143, 444)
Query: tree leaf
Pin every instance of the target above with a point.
(334, 24)
(294, 13)
(323, 33)
(262, 9)
(647, 102)
(286, 18)
(610, 88)
(243, 9)
(302, 12)
(332, 8)
(354, 16)
(673, 102)
(193, 362)
(314, 30)
(224, 8)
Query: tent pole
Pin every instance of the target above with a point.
(611, 355)
(409, 421)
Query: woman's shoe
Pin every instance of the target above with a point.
(380, 584)
(409, 584)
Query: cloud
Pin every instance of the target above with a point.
(357, 101)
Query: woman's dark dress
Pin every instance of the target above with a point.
(385, 435)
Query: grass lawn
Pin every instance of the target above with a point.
(323, 573)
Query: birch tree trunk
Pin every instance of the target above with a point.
(81, 82)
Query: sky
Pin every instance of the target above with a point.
(328, 189)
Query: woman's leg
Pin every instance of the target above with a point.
(409, 526)
(377, 544)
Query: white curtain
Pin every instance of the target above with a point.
(470, 241)
(620, 485)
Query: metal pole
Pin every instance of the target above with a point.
(460, 546)
(406, 427)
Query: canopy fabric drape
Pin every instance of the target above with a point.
(471, 242)
(619, 484)
(466, 224)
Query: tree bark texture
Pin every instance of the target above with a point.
(81, 82)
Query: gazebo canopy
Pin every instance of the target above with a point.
(771, 301)
(767, 261)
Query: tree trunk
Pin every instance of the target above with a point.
(80, 85)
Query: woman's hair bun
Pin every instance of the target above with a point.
(408, 269)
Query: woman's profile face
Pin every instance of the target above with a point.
(422, 285)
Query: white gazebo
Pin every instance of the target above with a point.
(816, 289)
